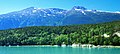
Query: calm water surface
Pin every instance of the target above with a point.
(57, 50)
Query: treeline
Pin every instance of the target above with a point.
(57, 35)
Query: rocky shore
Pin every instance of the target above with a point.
(73, 45)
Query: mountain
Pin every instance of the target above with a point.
(55, 17)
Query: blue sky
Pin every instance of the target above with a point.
(15, 5)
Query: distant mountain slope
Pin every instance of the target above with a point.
(55, 17)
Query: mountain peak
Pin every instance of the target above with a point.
(57, 9)
(79, 8)
(30, 8)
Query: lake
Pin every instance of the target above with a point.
(57, 50)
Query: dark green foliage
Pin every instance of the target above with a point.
(52, 35)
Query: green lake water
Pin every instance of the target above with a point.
(57, 50)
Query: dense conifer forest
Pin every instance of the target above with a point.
(57, 35)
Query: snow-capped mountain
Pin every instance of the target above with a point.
(55, 17)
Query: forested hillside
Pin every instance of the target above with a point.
(56, 35)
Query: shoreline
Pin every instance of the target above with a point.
(102, 46)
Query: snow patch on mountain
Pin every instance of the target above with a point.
(117, 12)
(83, 12)
(49, 14)
(20, 16)
(77, 9)
(34, 11)
(14, 15)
